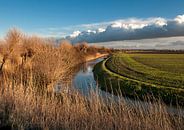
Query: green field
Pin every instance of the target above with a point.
(161, 75)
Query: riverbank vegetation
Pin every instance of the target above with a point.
(29, 68)
(22, 55)
(160, 75)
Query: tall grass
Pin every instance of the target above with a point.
(30, 68)
(22, 107)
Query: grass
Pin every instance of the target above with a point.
(24, 108)
(166, 62)
(30, 66)
(137, 79)
(124, 64)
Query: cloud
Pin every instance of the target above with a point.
(176, 43)
(75, 34)
(129, 29)
(171, 44)
(49, 32)
(179, 19)
(100, 30)
(61, 32)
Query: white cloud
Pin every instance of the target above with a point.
(99, 30)
(160, 22)
(132, 28)
(75, 34)
(180, 19)
(122, 29)
(90, 31)
(116, 25)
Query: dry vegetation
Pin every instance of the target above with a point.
(24, 108)
(31, 65)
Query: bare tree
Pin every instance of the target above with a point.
(12, 40)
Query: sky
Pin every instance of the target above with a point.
(59, 18)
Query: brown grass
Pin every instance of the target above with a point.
(32, 65)
(23, 107)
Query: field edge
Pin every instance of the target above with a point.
(112, 81)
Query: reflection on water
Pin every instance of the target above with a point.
(84, 80)
(80, 77)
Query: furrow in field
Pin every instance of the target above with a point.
(126, 66)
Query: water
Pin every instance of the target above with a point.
(83, 80)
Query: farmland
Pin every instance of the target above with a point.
(161, 75)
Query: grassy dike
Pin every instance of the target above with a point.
(112, 81)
